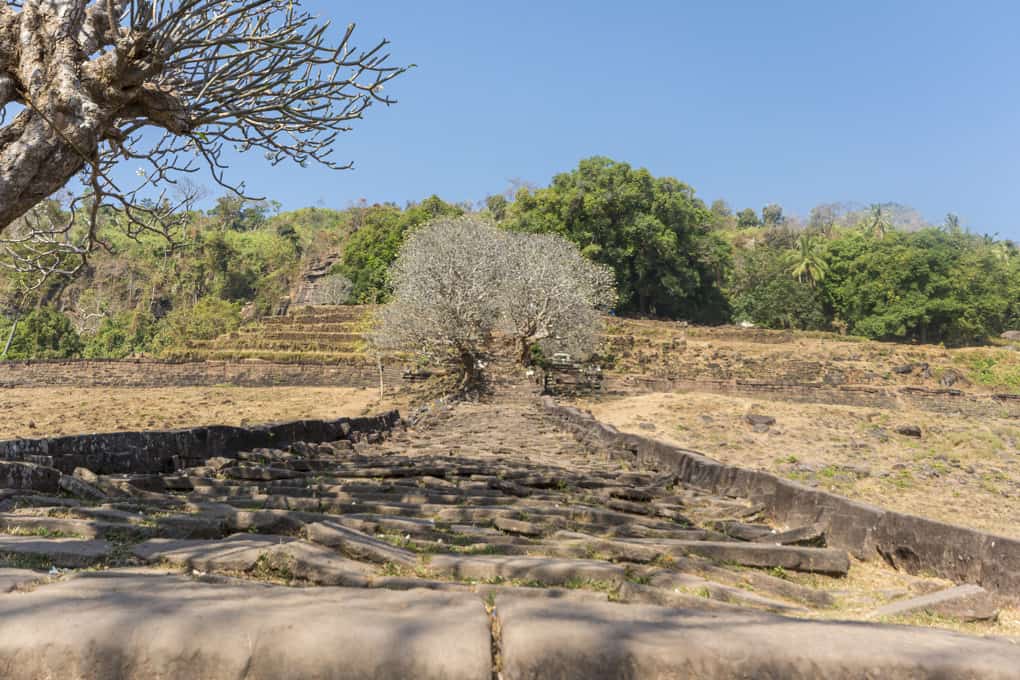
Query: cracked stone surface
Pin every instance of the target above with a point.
(483, 541)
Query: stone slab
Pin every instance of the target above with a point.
(17, 475)
(593, 641)
(963, 603)
(69, 553)
(809, 535)
(323, 566)
(358, 544)
(239, 552)
(163, 627)
(550, 571)
(818, 560)
(76, 528)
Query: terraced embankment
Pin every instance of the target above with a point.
(483, 542)
(333, 335)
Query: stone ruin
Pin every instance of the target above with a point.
(488, 540)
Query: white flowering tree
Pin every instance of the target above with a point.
(458, 282)
(550, 295)
(444, 294)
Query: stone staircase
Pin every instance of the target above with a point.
(328, 334)
(486, 540)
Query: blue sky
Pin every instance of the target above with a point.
(794, 102)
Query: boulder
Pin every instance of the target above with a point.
(759, 422)
(908, 430)
(1011, 335)
(951, 377)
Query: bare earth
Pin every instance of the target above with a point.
(962, 470)
(45, 412)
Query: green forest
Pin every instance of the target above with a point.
(876, 271)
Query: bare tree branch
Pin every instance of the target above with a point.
(171, 85)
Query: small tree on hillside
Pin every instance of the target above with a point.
(445, 304)
(550, 294)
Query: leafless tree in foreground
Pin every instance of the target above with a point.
(166, 84)
(459, 281)
(334, 289)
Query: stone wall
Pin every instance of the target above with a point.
(915, 544)
(150, 373)
(165, 451)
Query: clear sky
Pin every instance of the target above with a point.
(753, 101)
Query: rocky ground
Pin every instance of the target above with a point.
(482, 542)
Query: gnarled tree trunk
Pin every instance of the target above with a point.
(70, 97)
(81, 79)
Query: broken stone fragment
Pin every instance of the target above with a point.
(965, 603)
(79, 488)
(759, 423)
(809, 535)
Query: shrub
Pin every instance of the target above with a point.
(44, 333)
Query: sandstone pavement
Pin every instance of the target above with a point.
(484, 541)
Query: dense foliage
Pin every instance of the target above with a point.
(651, 231)
(878, 271)
(378, 233)
(44, 333)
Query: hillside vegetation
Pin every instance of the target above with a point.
(878, 272)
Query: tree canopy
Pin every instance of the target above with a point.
(652, 231)
(456, 281)
(669, 254)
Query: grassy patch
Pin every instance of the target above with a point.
(19, 561)
(275, 567)
(991, 368)
(39, 532)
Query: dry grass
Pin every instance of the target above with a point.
(870, 585)
(51, 411)
(962, 470)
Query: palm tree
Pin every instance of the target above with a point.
(952, 223)
(808, 262)
(879, 223)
